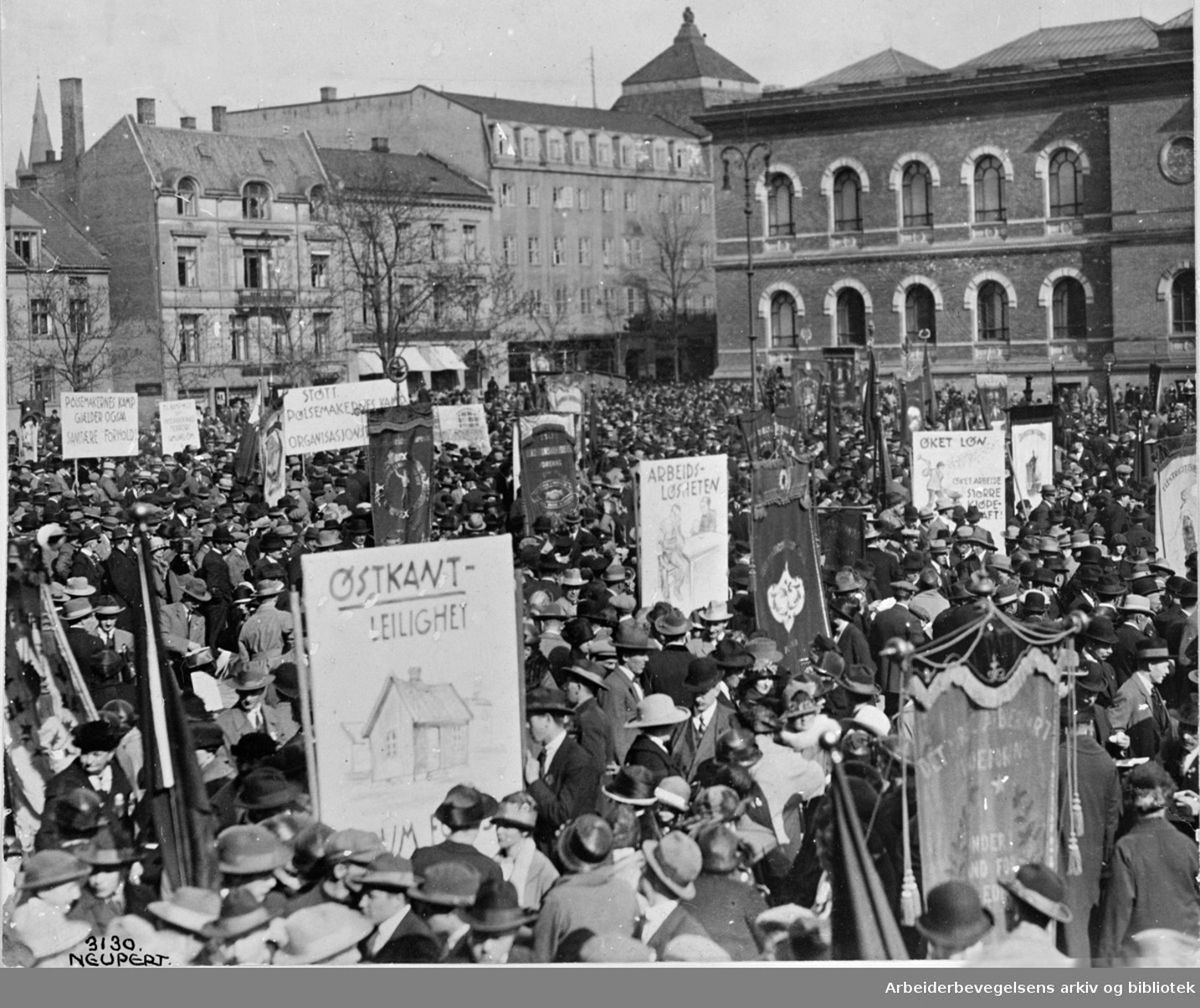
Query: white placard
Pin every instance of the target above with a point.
(1033, 460)
(318, 418)
(683, 531)
(970, 463)
(99, 424)
(180, 422)
(465, 426)
(1177, 510)
(416, 682)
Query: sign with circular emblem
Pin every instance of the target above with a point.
(397, 369)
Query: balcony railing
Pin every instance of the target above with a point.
(265, 297)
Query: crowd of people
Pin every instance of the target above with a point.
(676, 788)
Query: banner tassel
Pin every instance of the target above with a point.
(910, 899)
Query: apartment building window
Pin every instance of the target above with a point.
(783, 320)
(1183, 302)
(992, 311)
(79, 322)
(586, 300)
(920, 313)
(706, 255)
(279, 336)
(846, 192)
(239, 338)
(708, 304)
(561, 301)
(469, 244)
(585, 251)
(1068, 309)
(603, 151)
(45, 384)
(531, 196)
(637, 251)
(186, 266)
(24, 244)
(558, 254)
(507, 196)
(39, 316)
(583, 198)
(1066, 184)
(320, 333)
(368, 303)
(404, 302)
(989, 190)
(660, 156)
(318, 269)
(917, 189)
(662, 202)
(508, 249)
(627, 154)
(189, 339)
(851, 318)
(606, 251)
(705, 203)
(440, 304)
(554, 148)
(608, 297)
(256, 265)
(630, 199)
(779, 205)
(529, 146)
(632, 301)
(437, 242)
(535, 252)
(579, 152)
(683, 204)
(537, 306)
(256, 201)
(606, 200)
(187, 195)
(562, 197)
(627, 251)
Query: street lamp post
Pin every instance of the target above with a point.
(746, 159)
(1109, 360)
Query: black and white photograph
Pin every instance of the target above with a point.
(603, 485)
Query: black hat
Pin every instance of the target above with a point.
(954, 916)
(633, 785)
(96, 736)
(547, 700)
(465, 807)
(702, 675)
(497, 909)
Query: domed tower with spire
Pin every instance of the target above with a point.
(685, 79)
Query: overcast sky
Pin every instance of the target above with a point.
(242, 53)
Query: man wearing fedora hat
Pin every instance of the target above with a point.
(184, 628)
(695, 739)
(243, 932)
(667, 882)
(328, 934)
(252, 713)
(109, 609)
(559, 773)
(521, 863)
(462, 814)
(657, 720)
(1136, 625)
(496, 918)
(955, 921)
(582, 682)
(400, 935)
(214, 571)
(624, 691)
(440, 896)
(1139, 709)
(94, 768)
(667, 669)
(1097, 640)
(1154, 870)
(1035, 903)
(726, 903)
(588, 895)
(267, 632)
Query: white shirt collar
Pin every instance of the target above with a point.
(552, 748)
(655, 916)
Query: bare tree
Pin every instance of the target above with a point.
(71, 333)
(485, 301)
(674, 273)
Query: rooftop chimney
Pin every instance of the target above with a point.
(28, 179)
(218, 118)
(379, 145)
(145, 111)
(187, 122)
(328, 94)
(70, 100)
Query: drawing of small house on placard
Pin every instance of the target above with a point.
(416, 730)
(360, 751)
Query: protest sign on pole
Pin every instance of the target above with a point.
(98, 424)
(180, 423)
(271, 457)
(322, 418)
(969, 463)
(1177, 507)
(564, 394)
(465, 426)
(399, 464)
(523, 426)
(548, 473)
(415, 678)
(993, 397)
(1032, 452)
(986, 757)
(683, 531)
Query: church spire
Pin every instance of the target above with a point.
(21, 166)
(39, 138)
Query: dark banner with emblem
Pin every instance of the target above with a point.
(986, 757)
(842, 535)
(400, 467)
(772, 435)
(788, 598)
(548, 478)
(843, 388)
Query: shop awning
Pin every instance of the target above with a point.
(443, 358)
(423, 359)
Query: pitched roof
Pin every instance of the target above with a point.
(429, 703)
(1096, 38)
(226, 161)
(414, 173)
(63, 243)
(884, 65)
(568, 116)
(688, 58)
(1183, 20)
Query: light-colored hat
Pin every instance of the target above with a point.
(716, 611)
(656, 710)
(674, 793)
(79, 587)
(46, 930)
(1136, 604)
(676, 861)
(189, 908)
(321, 932)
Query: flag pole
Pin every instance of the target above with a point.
(303, 672)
